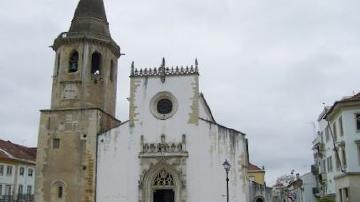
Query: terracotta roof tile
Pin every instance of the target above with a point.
(10, 150)
(253, 167)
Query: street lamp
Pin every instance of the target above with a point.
(227, 167)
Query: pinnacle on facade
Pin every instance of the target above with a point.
(90, 19)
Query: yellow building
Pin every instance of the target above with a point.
(256, 174)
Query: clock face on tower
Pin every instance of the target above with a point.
(164, 106)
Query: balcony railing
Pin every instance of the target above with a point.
(17, 198)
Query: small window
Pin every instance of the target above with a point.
(358, 148)
(341, 126)
(22, 170)
(0, 189)
(20, 189)
(330, 164)
(30, 172)
(57, 67)
(96, 63)
(29, 189)
(344, 157)
(1, 170)
(7, 190)
(337, 162)
(74, 62)
(60, 192)
(112, 70)
(9, 170)
(56, 143)
(357, 116)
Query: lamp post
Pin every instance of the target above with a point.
(227, 167)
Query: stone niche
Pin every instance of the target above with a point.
(163, 167)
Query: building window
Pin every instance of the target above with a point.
(0, 189)
(7, 190)
(112, 70)
(346, 190)
(329, 164)
(73, 62)
(30, 172)
(340, 195)
(337, 160)
(358, 146)
(344, 157)
(96, 63)
(357, 116)
(341, 126)
(327, 137)
(1, 170)
(8, 170)
(57, 67)
(22, 170)
(56, 143)
(334, 131)
(60, 192)
(29, 190)
(20, 189)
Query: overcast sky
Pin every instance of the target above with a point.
(266, 65)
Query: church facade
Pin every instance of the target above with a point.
(170, 150)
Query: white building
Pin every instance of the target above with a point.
(338, 145)
(309, 184)
(171, 148)
(17, 172)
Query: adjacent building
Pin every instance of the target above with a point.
(258, 191)
(17, 172)
(337, 151)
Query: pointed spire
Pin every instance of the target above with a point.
(90, 18)
(196, 65)
(163, 62)
(132, 68)
(162, 70)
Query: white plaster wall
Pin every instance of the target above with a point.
(118, 168)
(350, 136)
(308, 183)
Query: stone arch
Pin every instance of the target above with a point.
(96, 63)
(259, 199)
(58, 191)
(73, 62)
(161, 176)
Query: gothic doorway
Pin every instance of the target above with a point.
(164, 195)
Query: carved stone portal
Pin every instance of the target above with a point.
(163, 168)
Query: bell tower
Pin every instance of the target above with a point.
(83, 105)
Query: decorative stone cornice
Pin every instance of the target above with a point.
(164, 71)
(71, 37)
(163, 148)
